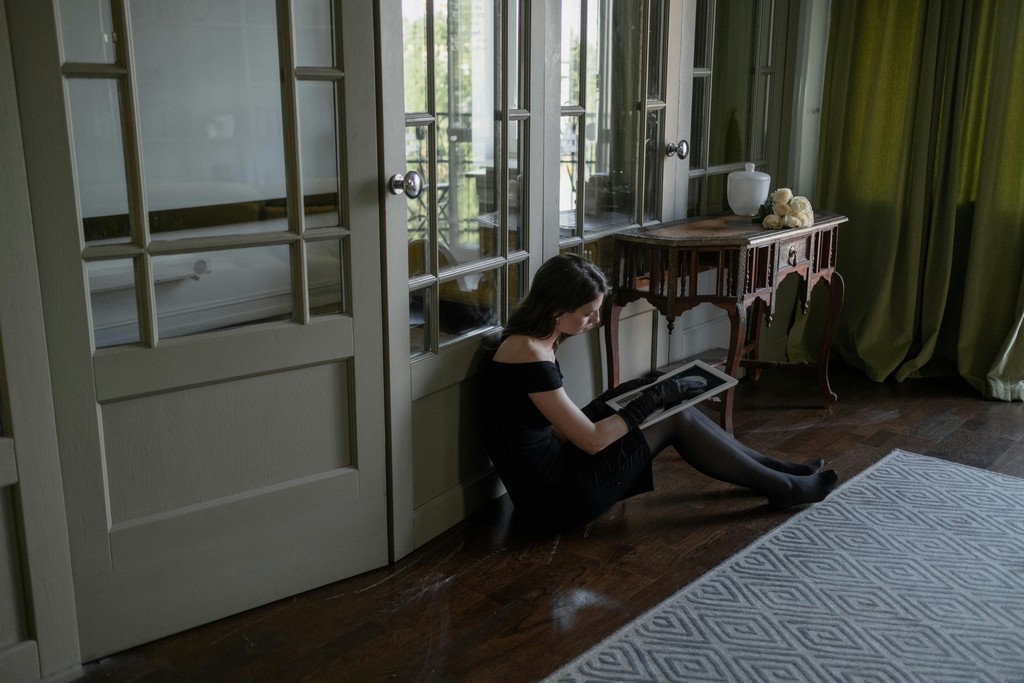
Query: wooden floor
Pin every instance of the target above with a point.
(488, 602)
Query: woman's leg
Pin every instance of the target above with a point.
(712, 451)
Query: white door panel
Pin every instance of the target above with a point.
(210, 246)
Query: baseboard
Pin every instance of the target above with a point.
(445, 511)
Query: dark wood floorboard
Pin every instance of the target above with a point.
(489, 602)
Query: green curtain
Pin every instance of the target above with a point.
(922, 147)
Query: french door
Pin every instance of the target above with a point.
(210, 259)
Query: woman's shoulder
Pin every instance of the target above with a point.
(520, 348)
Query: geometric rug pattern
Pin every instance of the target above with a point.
(911, 571)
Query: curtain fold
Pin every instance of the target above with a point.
(923, 149)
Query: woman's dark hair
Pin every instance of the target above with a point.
(563, 283)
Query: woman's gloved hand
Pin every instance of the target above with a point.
(667, 393)
(598, 409)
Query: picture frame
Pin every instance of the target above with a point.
(717, 382)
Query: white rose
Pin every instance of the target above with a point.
(781, 209)
(807, 217)
(791, 221)
(772, 222)
(800, 204)
(782, 195)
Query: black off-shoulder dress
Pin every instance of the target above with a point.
(554, 485)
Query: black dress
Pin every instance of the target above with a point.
(554, 485)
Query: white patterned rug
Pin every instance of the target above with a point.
(911, 571)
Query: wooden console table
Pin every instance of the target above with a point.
(744, 263)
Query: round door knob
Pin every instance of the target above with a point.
(411, 184)
(680, 149)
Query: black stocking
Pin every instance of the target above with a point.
(712, 451)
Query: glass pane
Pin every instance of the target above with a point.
(760, 143)
(86, 31)
(694, 195)
(515, 53)
(768, 34)
(612, 120)
(517, 282)
(417, 158)
(698, 123)
(209, 97)
(572, 35)
(420, 321)
(653, 165)
(466, 134)
(701, 43)
(735, 40)
(99, 159)
(569, 177)
(314, 38)
(318, 143)
(325, 263)
(414, 45)
(716, 199)
(656, 50)
(115, 311)
(516, 185)
(419, 256)
(467, 304)
(218, 289)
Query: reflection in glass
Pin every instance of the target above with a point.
(417, 158)
(694, 195)
(326, 277)
(99, 159)
(515, 53)
(466, 99)
(314, 40)
(598, 151)
(517, 284)
(572, 33)
(113, 306)
(735, 39)
(568, 178)
(318, 144)
(655, 50)
(213, 290)
(516, 185)
(759, 148)
(420, 321)
(652, 165)
(209, 98)
(716, 199)
(86, 31)
(414, 62)
(701, 42)
(699, 118)
(467, 304)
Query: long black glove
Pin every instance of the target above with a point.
(598, 409)
(667, 393)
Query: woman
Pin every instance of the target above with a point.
(563, 466)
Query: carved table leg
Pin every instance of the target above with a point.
(738, 330)
(611, 344)
(836, 292)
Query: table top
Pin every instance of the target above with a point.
(723, 229)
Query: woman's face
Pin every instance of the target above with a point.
(583, 318)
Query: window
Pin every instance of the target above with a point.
(467, 127)
(612, 116)
(196, 212)
(739, 48)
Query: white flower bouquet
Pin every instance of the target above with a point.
(783, 210)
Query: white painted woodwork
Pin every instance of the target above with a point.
(38, 632)
(218, 472)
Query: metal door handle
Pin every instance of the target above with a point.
(680, 149)
(411, 184)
